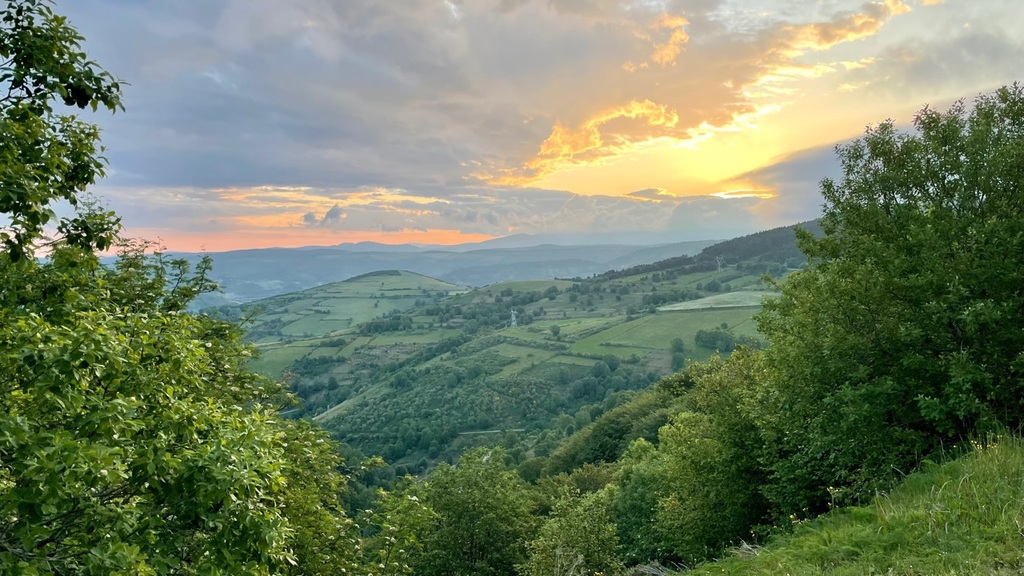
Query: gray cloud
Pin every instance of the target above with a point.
(796, 182)
(502, 212)
(323, 102)
(362, 92)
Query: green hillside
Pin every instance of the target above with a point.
(326, 309)
(416, 369)
(959, 518)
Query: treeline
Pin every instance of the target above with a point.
(769, 251)
(775, 245)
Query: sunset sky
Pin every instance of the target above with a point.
(256, 123)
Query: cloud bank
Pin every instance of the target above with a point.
(493, 116)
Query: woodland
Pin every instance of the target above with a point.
(872, 428)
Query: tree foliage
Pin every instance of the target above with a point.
(578, 539)
(484, 517)
(698, 490)
(132, 438)
(904, 333)
(45, 155)
(129, 439)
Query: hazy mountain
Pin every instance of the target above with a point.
(247, 275)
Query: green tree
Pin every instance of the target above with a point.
(47, 156)
(677, 345)
(578, 539)
(699, 489)
(484, 517)
(903, 334)
(678, 361)
(399, 521)
(132, 439)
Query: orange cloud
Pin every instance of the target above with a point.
(567, 145)
(824, 35)
(666, 53)
(763, 79)
(242, 238)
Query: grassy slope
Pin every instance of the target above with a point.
(325, 309)
(962, 517)
(303, 320)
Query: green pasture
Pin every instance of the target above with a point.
(325, 309)
(656, 331)
(274, 360)
(524, 357)
(739, 298)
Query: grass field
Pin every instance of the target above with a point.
(591, 324)
(335, 307)
(656, 331)
(738, 299)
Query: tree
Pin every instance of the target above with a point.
(484, 517)
(132, 439)
(699, 489)
(677, 345)
(577, 539)
(46, 156)
(902, 335)
(400, 521)
(555, 330)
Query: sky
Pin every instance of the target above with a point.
(258, 123)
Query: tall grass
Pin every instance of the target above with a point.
(962, 517)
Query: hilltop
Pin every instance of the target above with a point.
(337, 306)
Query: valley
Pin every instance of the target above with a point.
(409, 367)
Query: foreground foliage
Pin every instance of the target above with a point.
(903, 335)
(132, 440)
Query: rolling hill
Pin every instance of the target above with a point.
(416, 369)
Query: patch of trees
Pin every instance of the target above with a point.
(668, 265)
(312, 367)
(391, 323)
(663, 297)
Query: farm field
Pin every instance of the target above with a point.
(738, 299)
(400, 337)
(655, 332)
(336, 307)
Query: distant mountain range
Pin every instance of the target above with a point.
(247, 275)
